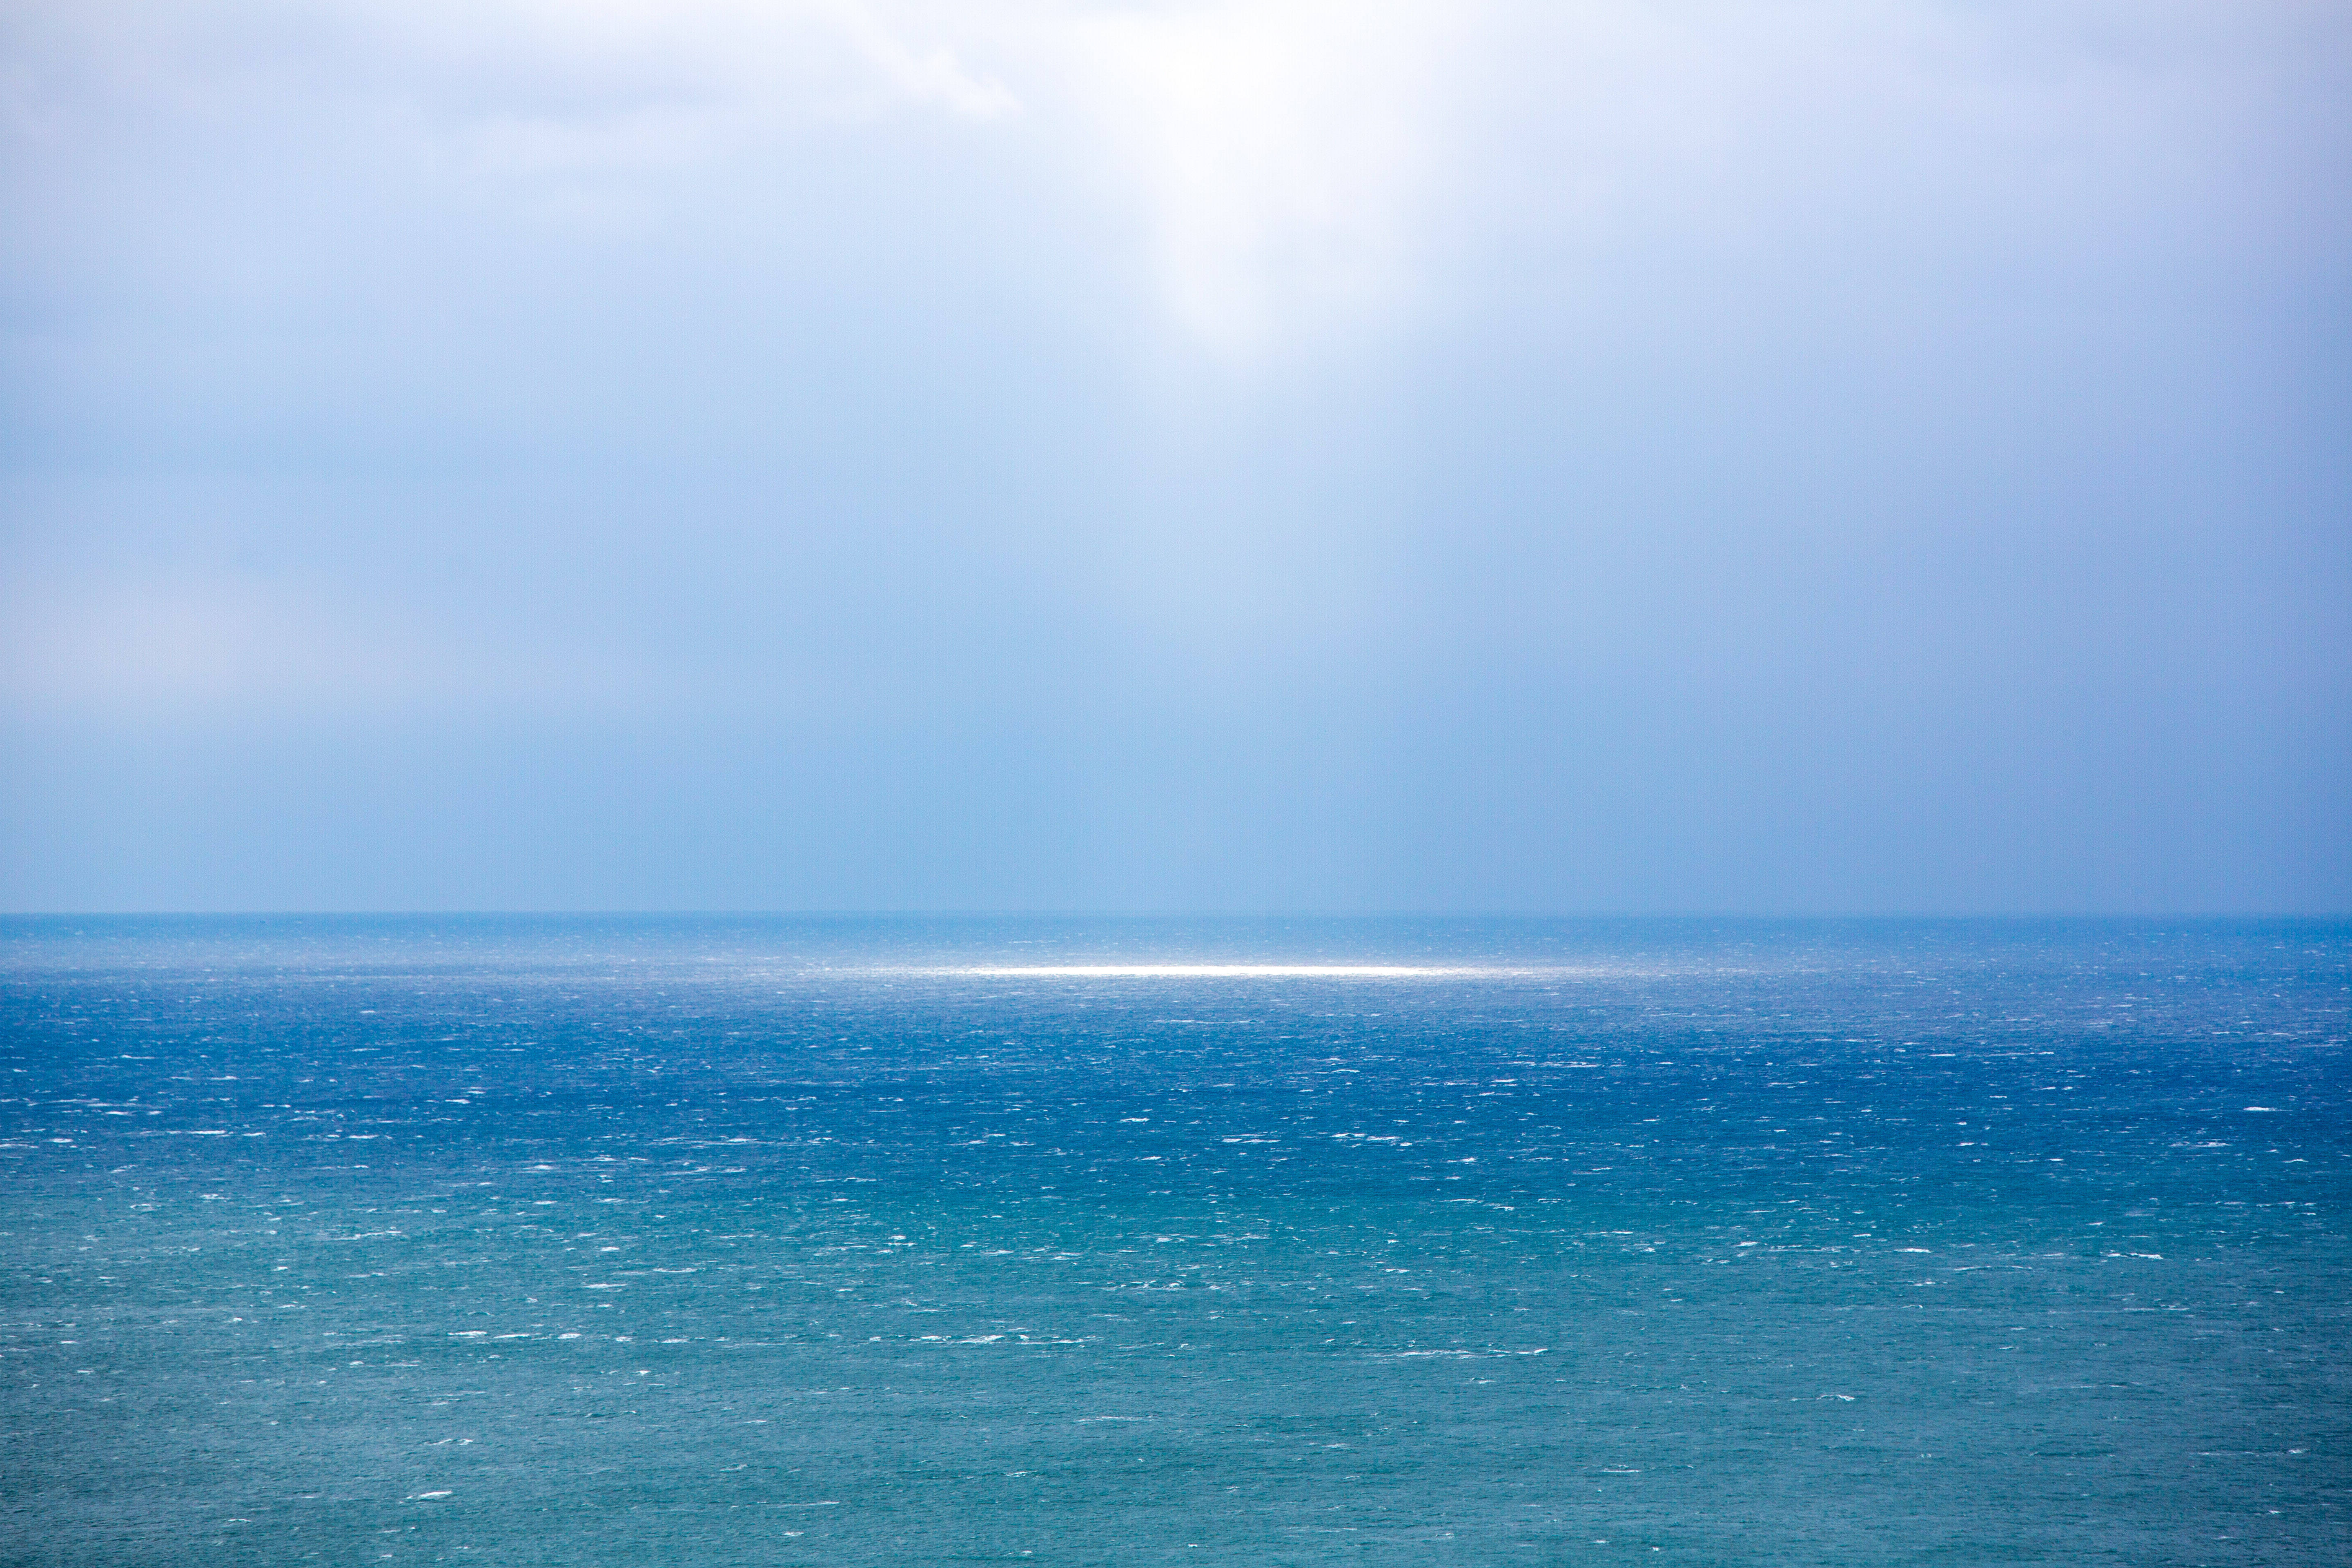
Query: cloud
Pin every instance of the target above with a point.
(206, 643)
(1266, 157)
(1615, 454)
(1278, 147)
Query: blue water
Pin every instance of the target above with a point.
(704, 1241)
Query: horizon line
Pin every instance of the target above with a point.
(683, 912)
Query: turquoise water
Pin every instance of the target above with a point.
(703, 1241)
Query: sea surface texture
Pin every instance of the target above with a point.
(742, 1241)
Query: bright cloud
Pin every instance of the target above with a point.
(1279, 147)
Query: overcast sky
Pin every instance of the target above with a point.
(831, 454)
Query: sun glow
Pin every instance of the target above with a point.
(1214, 972)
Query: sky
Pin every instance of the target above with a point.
(1830, 457)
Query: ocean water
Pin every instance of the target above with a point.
(738, 1241)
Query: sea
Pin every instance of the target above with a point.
(705, 1240)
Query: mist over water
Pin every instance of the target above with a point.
(736, 1240)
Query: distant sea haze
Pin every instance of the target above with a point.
(740, 1240)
